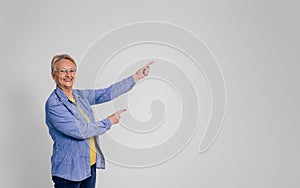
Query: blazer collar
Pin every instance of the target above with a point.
(62, 96)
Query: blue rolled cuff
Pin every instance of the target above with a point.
(107, 123)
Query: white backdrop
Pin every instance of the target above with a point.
(256, 44)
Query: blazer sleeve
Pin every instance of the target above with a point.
(99, 96)
(63, 120)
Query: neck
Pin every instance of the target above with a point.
(67, 92)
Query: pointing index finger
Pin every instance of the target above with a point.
(121, 111)
(150, 63)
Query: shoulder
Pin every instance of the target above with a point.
(52, 99)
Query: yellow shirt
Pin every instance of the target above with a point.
(92, 139)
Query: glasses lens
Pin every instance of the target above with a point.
(63, 71)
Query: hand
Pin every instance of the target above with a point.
(115, 117)
(142, 72)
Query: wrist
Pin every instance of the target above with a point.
(112, 120)
(136, 77)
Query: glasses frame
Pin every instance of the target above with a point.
(71, 71)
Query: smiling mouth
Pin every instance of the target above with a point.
(68, 80)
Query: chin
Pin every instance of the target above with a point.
(68, 85)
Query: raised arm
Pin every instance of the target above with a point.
(107, 94)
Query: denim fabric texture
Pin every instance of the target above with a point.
(70, 131)
(89, 182)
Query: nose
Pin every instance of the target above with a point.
(68, 73)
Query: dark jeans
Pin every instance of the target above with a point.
(89, 182)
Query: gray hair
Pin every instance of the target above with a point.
(59, 57)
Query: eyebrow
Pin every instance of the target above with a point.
(68, 68)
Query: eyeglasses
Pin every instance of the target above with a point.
(65, 71)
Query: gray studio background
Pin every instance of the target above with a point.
(255, 42)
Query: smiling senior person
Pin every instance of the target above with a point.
(69, 117)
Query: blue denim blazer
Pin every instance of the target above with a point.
(70, 131)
